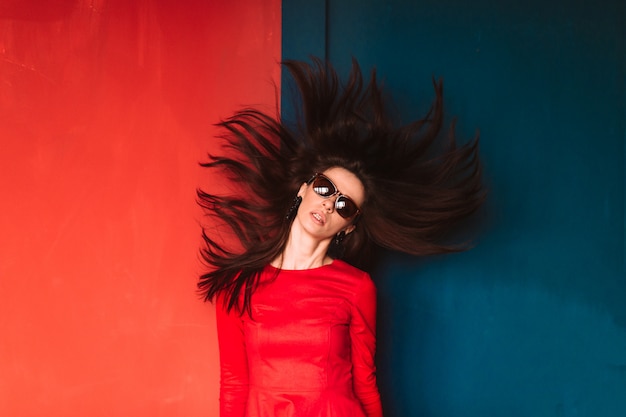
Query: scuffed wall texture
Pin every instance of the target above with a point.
(106, 106)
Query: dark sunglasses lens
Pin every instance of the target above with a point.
(345, 207)
(323, 187)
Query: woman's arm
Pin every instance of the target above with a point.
(233, 362)
(363, 336)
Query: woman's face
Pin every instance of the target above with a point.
(318, 216)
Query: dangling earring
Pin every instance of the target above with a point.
(339, 238)
(336, 249)
(293, 210)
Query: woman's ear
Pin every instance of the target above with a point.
(301, 189)
(349, 229)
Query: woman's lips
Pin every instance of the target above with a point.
(318, 217)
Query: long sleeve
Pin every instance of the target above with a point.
(363, 337)
(233, 363)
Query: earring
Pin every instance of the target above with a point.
(293, 210)
(336, 249)
(339, 238)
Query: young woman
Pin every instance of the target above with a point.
(296, 321)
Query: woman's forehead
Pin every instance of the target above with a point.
(347, 183)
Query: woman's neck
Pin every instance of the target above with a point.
(303, 252)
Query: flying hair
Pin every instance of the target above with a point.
(419, 184)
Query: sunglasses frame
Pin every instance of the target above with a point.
(337, 193)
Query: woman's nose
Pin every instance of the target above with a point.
(329, 204)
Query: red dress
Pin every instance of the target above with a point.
(307, 351)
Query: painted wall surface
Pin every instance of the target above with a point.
(106, 107)
(532, 321)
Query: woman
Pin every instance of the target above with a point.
(296, 323)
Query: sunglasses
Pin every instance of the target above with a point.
(324, 187)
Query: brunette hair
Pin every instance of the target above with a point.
(418, 185)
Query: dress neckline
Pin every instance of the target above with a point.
(273, 268)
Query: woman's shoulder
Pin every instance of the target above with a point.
(359, 283)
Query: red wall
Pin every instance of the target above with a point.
(105, 109)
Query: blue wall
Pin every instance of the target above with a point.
(532, 321)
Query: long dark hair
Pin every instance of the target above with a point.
(418, 185)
